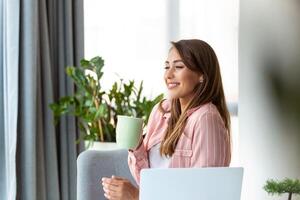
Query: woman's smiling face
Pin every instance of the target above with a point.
(180, 80)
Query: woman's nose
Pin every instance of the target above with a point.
(169, 73)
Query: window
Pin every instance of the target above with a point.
(131, 38)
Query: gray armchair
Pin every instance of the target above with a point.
(93, 165)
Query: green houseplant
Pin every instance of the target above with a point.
(288, 186)
(96, 109)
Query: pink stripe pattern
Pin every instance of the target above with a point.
(204, 142)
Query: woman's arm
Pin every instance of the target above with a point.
(211, 143)
(138, 160)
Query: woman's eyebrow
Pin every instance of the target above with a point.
(175, 61)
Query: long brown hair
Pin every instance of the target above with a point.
(198, 56)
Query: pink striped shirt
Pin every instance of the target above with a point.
(204, 142)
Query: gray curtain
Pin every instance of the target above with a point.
(51, 37)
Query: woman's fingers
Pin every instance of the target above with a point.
(109, 197)
(118, 178)
(114, 187)
(106, 196)
(109, 181)
(111, 194)
(114, 180)
(111, 187)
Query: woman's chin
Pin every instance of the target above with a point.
(172, 96)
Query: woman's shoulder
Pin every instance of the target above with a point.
(208, 108)
(206, 115)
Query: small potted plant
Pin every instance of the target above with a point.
(288, 186)
(96, 109)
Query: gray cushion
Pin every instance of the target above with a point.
(93, 165)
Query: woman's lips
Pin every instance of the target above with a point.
(172, 85)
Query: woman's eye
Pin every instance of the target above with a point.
(167, 67)
(179, 67)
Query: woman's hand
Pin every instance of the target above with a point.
(118, 188)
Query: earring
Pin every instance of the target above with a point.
(201, 79)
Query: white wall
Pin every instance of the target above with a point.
(269, 145)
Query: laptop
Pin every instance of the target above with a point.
(191, 183)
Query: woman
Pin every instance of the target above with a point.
(191, 129)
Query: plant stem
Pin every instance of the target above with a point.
(290, 196)
(99, 123)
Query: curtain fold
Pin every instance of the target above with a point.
(9, 39)
(50, 31)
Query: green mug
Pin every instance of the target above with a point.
(129, 131)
